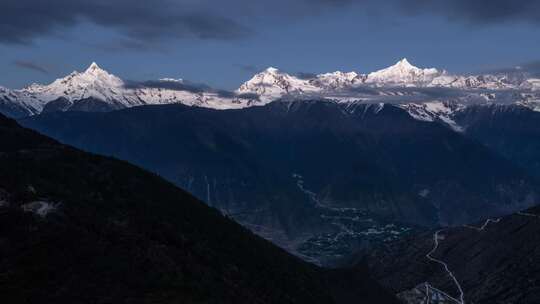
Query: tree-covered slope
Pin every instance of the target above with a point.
(81, 228)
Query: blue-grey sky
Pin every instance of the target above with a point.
(223, 42)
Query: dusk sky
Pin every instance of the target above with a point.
(224, 45)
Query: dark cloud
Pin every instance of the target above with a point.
(470, 11)
(478, 11)
(431, 92)
(187, 86)
(145, 22)
(225, 93)
(29, 65)
(229, 94)
(305, 75)
(24, 20)
(331, 2)
(121, 45)
(248, 96)
(364, 90)
(168, 85)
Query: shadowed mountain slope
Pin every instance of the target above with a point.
(81, 228)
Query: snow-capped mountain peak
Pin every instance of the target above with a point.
(337, 80)
(97, 89)
(93, 67)
(403, 73)
(405, 64)
(271, 84)
(95, 70)
(401, 67)
(93, 82)
(268, 75)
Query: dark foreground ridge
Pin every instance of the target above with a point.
(81, 228)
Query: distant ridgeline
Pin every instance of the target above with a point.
(322, 178)
(96, 90)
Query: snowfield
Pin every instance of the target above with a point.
(427, 94)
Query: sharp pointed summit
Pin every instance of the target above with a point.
(404, 63)
(402, 73)
(94, 68)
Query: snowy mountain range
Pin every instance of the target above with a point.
(425, 93)
(111, 92)
(272, 82)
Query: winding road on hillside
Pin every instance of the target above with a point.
(436, 238)
(429, 255)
